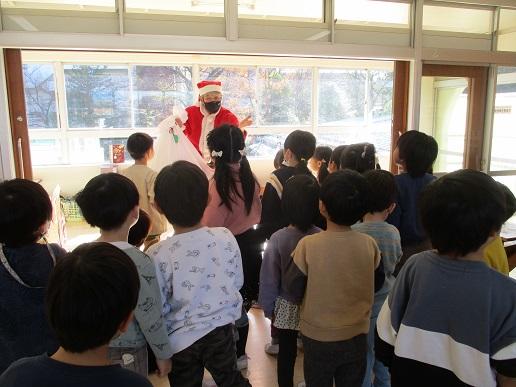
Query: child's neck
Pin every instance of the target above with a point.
(93, 357)
(119, 235)
(376, 216)
(142, 161)
(182, 230)
(330, 226)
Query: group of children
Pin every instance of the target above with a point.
(334, 270)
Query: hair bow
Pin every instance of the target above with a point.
(216, 154)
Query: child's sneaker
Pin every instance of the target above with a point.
(272, 349)
(242, 362)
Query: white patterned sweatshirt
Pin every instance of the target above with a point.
(200, 274)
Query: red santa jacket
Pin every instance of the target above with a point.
(194, 123)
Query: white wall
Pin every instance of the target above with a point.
(73, 178)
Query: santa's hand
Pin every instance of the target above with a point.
(246, 122)
(179, 122)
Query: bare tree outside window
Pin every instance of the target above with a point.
(40, 96)
(157, 89)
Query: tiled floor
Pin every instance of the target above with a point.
(262, 367)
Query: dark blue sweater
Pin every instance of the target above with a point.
(24, 330)
(405, 216)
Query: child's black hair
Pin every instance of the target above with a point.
(140, 230)
(359, 157)
(510, 201)
(300, 201)
(230, 141)
(323, 154)
(278, 159)
(344, 193)
(382, 190)
(91, 291)
(138, 144)
(418, 151)
(460, 210)
(336, 154)
(302, 144)
(181, 192)
(24, 208)
(107, 200)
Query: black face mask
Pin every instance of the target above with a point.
(212, 107)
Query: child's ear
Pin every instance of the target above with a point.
(322, 209)
(391, 208)
(124, 325)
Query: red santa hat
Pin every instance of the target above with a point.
(209, 87)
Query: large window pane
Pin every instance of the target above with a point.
(78, 5)
(372, 12)
(264, 145)
(178, 7)
(285, 96)
(504, 133)
(238, 88)
(455, 19)
(507, 30)
(40, 95)
(46, 152)
(157, 89)
(356, 106)
(303, 10)
(97, 96)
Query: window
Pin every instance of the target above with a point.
(372, 12)
(157, 89)
(177, 7)
(507, 30)
(302, 10)
(80, 104)
(504, 138)
(355, 105)
(457, 19)
(284, 95)
(76, 5)
(40, 95)
(97, 96)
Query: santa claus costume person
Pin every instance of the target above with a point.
(207, 114)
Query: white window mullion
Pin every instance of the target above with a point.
(62, 110)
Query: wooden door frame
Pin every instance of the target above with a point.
(400, 106)
(477, 83)
(18, 114)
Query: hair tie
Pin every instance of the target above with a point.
(303, 160)
(216, 154)
(242, 152)
(364, 152)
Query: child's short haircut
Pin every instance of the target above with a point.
(345, 196)
(300, 201)
(359, 157)
(460, 210)
(278, 159)
(24, 208)
(91, 291)
(418, 151)
(138, 144)
(382, 190)
(181, 192)
(107, 200)
(140, 230)
(510, 201)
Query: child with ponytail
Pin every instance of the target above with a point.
(318, 163)
(298, 148)
(235, 204)
(359, 157)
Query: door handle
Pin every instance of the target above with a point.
(20, 157)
